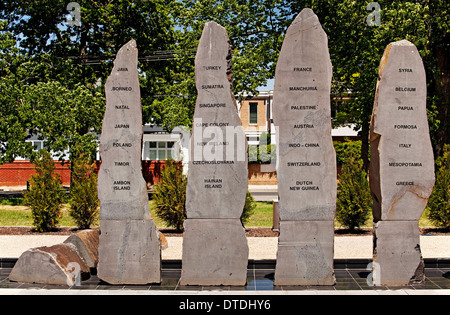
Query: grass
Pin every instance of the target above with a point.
(13, 212)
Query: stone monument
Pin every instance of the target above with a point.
(402, 165)
(215, 250)
(129, 250)
(306, 168)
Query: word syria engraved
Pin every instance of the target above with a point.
(129, 251)
(215, 250)
(402, 165)
(306, 156)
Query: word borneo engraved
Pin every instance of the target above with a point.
(306, 157)
(402, 165)
(215, 250)
(129, 251)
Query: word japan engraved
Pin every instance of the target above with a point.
(306, 157)
(129, 251)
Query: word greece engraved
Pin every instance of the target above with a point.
(215, 250)
(306, 157)
(402, 164)
(129, 251)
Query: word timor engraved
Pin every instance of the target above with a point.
(306, 156)
(129, 251)
(402, 165)
(215, 250)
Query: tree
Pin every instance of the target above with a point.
(84, 203)
(45, 195)
(356, 50)
(13, 125)
(82, 55)
(170, 195)
(439, 202)
(354, 201)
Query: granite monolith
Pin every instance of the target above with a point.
(306, 159)
(129, 251)
(402, 164)
(215, 250)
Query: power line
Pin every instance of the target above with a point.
(153, 56)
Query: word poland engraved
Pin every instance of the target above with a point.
(306, 157)
(129, 251)
(215, 250)
(402, 164)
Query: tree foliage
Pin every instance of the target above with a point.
(170, 195)
(84, 204)
(354, 201)
(45, 195)
(439, 202)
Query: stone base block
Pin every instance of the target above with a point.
(59, 265)
(397, 256)
(129, 252)
(86, 242)
(215, 252)
(305, 253)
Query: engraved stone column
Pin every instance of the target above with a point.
(306, 156)
(129, 250)
(402, 165)
(215, 250)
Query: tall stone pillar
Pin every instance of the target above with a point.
(306, 157)
(129, 250)
(402, 165)
(215, 250)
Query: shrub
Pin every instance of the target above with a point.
(249, 208)
(354, 201)
(170, 195)
(45, 195)
(346, 149)
(83, 190)
(439, 202)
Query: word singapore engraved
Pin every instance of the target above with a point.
(215, 250)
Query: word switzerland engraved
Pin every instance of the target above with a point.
(306, 158)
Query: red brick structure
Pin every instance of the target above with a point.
(17, 174)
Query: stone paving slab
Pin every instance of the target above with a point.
(346, 247)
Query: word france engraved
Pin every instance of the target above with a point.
(129, 251)
(215, 250)
(402, 165)
(306, 156)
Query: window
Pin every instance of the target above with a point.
(254, 113)
(160, 150)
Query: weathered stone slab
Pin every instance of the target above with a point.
(86, 243)
(215, 252)
(305, 253)
(306, 168)
(129, 250)
(58, 265)
(402, 162)
(218, 168)
(302, 113)
(122, 189)
(397, 256)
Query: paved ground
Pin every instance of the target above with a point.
(346, 247)
(351, 279)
